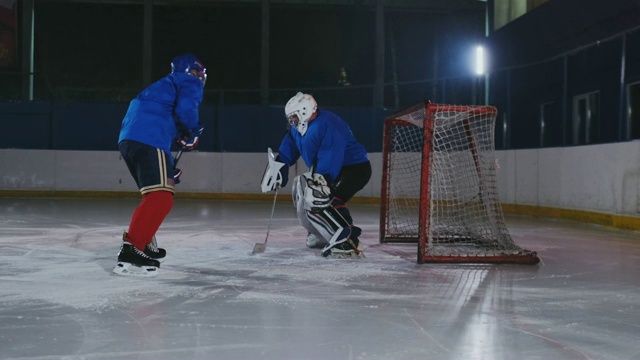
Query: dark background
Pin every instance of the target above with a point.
(89, 63)
(100, 46)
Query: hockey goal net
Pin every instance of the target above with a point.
(439, 186)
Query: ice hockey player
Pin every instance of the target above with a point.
(163, 113)
(339, 168)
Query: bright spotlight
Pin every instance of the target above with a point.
(480, 61)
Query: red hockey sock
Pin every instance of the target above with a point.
(148, 216)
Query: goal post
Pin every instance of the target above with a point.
(439, 186)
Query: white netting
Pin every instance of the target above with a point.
(404, 159)
(463, 217)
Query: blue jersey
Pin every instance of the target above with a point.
(156, 114)
(328, 145)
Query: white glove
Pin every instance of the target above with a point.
(272, 178)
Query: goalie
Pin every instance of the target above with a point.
(339, 168)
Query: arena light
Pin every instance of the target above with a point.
(480, 63)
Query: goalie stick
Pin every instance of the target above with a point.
(259, 248)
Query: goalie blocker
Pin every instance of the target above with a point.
(275, 175)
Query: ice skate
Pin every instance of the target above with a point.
(151, 250)
(345, 249)
(133, 262)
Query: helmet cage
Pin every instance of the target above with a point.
(299, 110)
(190, 65)
(200, 74)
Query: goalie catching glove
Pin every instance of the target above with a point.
(317, 195)
(189, 140)
(276, 174)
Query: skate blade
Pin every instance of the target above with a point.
(126, 269)
(349, 255)
(339, 254)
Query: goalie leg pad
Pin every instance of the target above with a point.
(330, 225)
(346, 244)
(297, 191)
(317, 193)
(327, 225)
(341, 206)
(314, 242)
(298, 203)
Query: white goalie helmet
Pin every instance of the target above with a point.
(299, 110)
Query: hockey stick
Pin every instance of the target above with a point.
(176, 158)
(174, 174)
(259, 248)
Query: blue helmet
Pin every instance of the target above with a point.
(189, 64)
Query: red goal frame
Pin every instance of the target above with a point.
(427, 252)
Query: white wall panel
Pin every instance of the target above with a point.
(28, 169)
(604, 178)
(526, 177)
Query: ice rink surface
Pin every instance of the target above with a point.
(214, 300)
